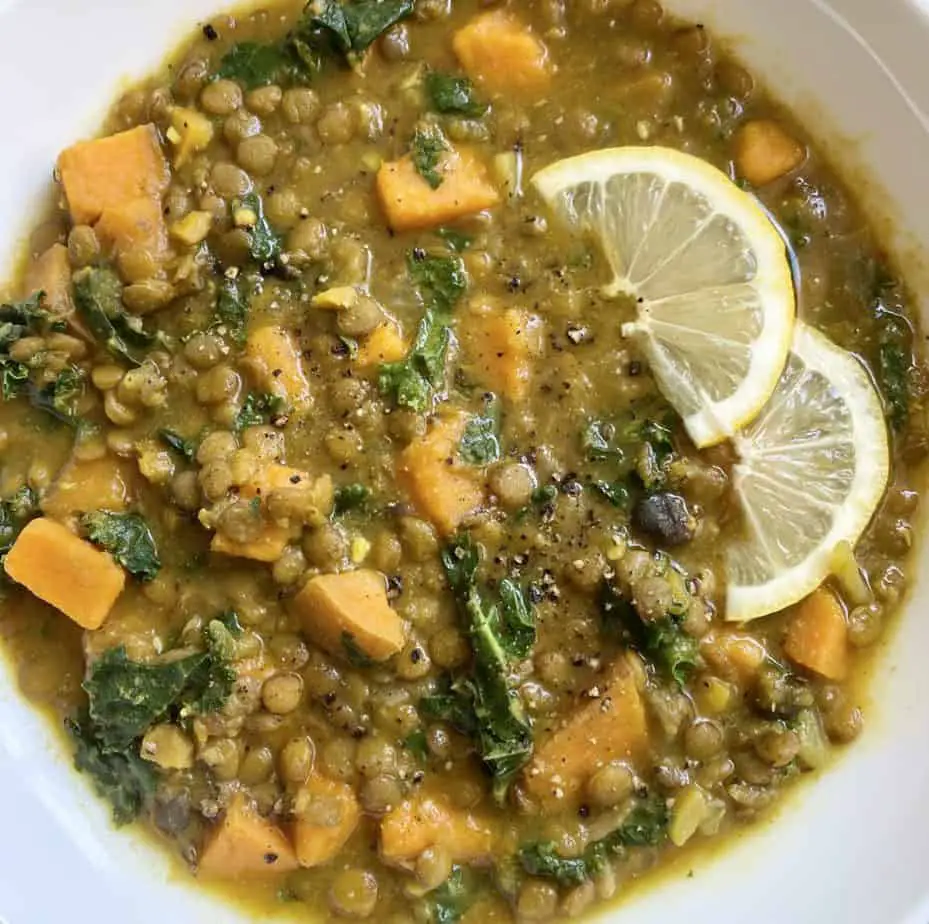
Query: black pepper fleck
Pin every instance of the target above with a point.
(210, 33)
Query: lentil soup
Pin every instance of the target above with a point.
(365, 561)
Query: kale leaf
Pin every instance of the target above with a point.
(187, 449)
(450, 94)
(480, 442)
(456, 241)
(354, 653)
(661, 641)
(450, 901)
(98, 296)
(15, 513)
(352, 26)
(254, 64)
(128, 538)
(350, 497)
(426, 149)
(232, 308)
(122, 777)
(413, 381)
(128, 697)
(485, 703)
(616, 492)
(264, 244)
(58, 398)
(415, 742)
(211, 684)
(645, 826)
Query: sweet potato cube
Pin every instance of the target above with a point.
(81, 487)
(817, 635)
(136, 224)
(274, 359)
(444, 489)
(108, 173)
(65, 571)
(735, 656)
(50, 273)
(385, 344)
(764, 152)
(425, 821)
(499, 344)
(411, 204)
(501, 54)
(610, 727)
(246, 846)
(348, 611)
(327, 814)
(270, 545)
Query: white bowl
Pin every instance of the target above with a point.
(851, 847)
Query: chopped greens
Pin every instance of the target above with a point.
(232, 308)
(98, 296)
(426, 149)
(254, 65)
(183, 447)
(414, 381)
(264, 244)
(258, 409)
(415, 743)
(15, 513)
(58, 397)
(450, 901)
(121, 777)
(455, 95)
(485, 704)
(645, 826)
(350, 497)
(456, 241)
(661, 641)
(128, 538)
(480, 442)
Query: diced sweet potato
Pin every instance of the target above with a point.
(51, 273)
(270, 545)
(341, 612)
(101, 484)
(499, 344)
(65, 571)
(735, 656)
(817, 635)
(764, 152)
(501, 54)
(108, 173)
(411, 204)
(327, 815)
(427, 820)
(610, 727)
(246, 846)
(135, 225)
(385, 344)
(274, 359)
(443, 488)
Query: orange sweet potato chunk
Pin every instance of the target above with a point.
(425, 821)
(499, 346)
(246, 846)
(270, 545)
(65, 571)
(385, 344)
(443, 488)
(109, 173)
(50, 273)
(610, 727)
(764, 152)
(500, 53)
(275, 362)
(817, 635)
(351, 608)
(327, 814)
(411, 204)
(81, 487)
(138, 223)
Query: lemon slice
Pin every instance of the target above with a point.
(812, 470)
(709, 271)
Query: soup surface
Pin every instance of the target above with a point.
(365, 560)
